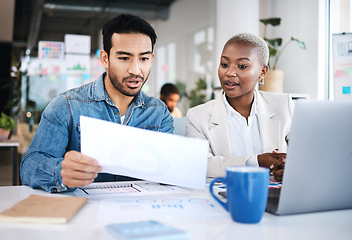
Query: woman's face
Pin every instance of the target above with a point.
(240, 69)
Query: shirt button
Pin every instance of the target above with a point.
(116, 113)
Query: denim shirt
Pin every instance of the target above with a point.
(59, 130)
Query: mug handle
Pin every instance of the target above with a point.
(223, 204)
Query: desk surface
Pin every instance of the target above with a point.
(91, 220)
(9, 143)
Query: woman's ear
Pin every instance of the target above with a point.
(104, 58)
(265, 70)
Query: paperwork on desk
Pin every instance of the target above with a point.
(127, 189)
(144, 154)
(196, 206)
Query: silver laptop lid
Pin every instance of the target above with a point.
(318, 170)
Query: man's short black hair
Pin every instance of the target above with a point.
(169, 88)
(126, 23)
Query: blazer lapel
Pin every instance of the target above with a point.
(219, 128)
(268, 125)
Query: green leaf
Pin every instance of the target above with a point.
(271, 21)
(300, 43)
(7, 122)
(201, 84)
(275, 42)
(273, 51)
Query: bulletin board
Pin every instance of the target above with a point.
(50, 50)
(342, 66)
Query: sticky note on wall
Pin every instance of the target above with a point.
(346, 90)
(348, 71)
(339, 73)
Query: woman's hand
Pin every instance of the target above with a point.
(275, 161)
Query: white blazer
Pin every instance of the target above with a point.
(209, 121)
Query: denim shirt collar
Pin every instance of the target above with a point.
(99, 93)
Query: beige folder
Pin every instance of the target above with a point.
(41, 209)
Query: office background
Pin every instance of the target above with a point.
(191, 34)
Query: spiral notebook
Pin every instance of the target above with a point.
(128, 188)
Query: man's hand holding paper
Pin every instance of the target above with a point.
(78, 169)
(143, 154)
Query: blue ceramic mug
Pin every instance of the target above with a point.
(247, 192)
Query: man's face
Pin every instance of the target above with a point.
(129, 63)
(170, 100)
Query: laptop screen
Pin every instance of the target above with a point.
(319, 158)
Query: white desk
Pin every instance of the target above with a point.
(89, 223)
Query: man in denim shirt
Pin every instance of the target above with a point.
(53, 161)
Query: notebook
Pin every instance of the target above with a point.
(318, 169)
(42, 209)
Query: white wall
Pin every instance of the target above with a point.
(233, 17)
(299, 19)
(186, 18)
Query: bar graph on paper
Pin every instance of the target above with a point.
(198, 206)
(177, 204)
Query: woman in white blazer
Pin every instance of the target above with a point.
(244, 126)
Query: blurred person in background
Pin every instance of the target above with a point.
(170, 95)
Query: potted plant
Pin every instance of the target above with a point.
(274, 78)
(7, 124)
(196, 96)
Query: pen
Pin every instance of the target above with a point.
(84, 191)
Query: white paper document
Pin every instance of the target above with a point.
(149, 155)
(160, 207)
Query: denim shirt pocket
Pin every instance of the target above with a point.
(156, 128)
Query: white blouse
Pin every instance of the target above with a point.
(244, 136)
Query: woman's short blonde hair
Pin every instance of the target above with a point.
(255, 40)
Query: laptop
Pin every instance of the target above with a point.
(318, 169)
